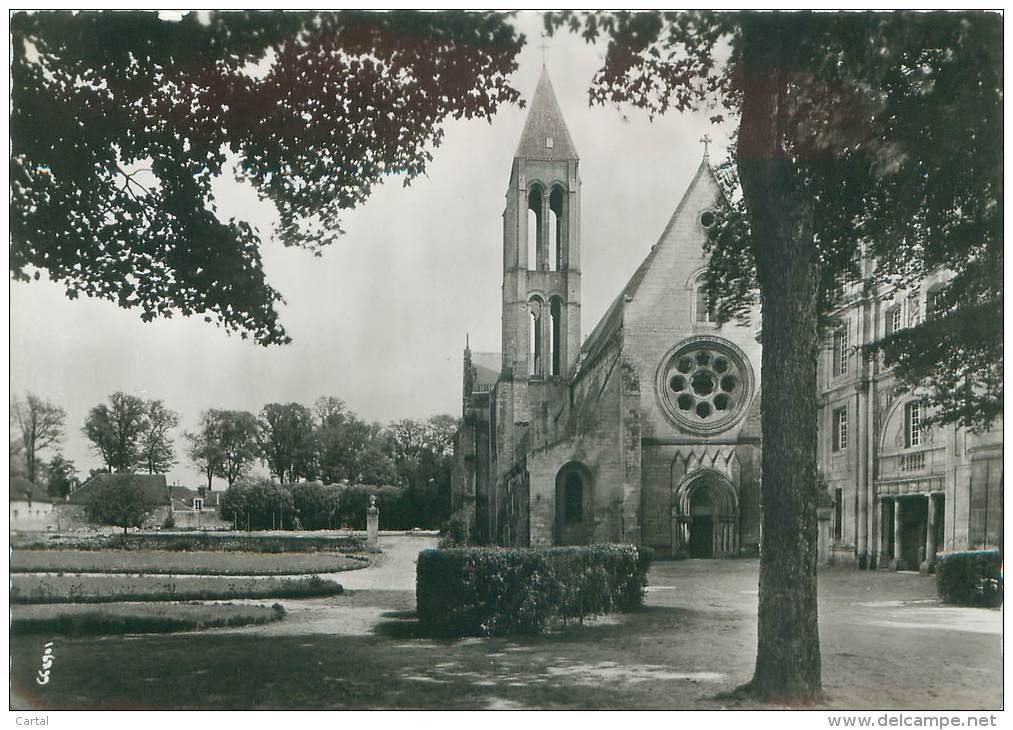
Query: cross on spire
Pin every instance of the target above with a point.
(543, 46)
(706, 140)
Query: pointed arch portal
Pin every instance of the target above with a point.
(706, 516)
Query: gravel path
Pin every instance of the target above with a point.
(370, 594)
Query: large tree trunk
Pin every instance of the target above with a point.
(788, 649)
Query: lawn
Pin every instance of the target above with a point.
(886, 640)
(122, 618)
(113, 588)
(211, 562)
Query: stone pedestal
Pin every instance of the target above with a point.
(372, 525)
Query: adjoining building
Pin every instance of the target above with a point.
(902, 492)
(31, 506)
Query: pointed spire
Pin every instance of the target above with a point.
(545, 136)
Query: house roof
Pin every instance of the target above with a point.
(612, 321)
(23, 490)
(153, 486)
(545, 121)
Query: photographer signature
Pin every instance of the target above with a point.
(47, 663)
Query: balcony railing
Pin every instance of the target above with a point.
(912, 462)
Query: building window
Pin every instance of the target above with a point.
(841, 352)
(198, 504)
(703, 302)
(933, 306)
(549, 143)
(573, 499)
(840, 431)
(913, 424)
(838, 514)
(15, 513)
(894, 320)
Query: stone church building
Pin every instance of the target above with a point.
(648, 431)
(645, 432)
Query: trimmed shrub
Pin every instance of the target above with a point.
(488, 592)
(970, 578)
(454, 534)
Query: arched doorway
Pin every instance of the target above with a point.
(706, 516)
(701, 525)
(574, 505)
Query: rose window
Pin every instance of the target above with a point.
(705, 384)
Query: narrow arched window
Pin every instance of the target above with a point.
(703, 301)
(535, 359)
(556, 228)
(534, 226)
(555, 317)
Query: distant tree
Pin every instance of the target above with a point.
(238, 435)
(115, 146)
(316, 505)
(204, 447)
(440, 432)
(373, 466)
(330, 410)
(407, 440)
(258, 504)
(287, 440)
(118, 502)
(157, 451)
(40, 423)
(115, 430)
(60, 477)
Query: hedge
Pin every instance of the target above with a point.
(970, 578)
(229, 542)
(487, 592)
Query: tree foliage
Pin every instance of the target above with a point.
(204, 446)
(122, 121)
(40, 424)
(238, 433)
(115, 430)
(61, 476)
(287, 440)
(118, 502)
(157, 450)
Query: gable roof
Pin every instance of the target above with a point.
(23, 490)
(153, 486)
(612, 321)
(545, 120)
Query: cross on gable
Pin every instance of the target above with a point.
(706, 139)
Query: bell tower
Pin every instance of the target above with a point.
(541, 246)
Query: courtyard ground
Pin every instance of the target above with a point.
(887, 644)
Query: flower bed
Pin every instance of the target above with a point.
(115, 588)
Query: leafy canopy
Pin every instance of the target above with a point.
(122, 121)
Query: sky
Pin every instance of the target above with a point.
(380, 320)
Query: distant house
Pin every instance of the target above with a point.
(31, 507)
(188, 507)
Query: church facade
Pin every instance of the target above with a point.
(648, 431)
